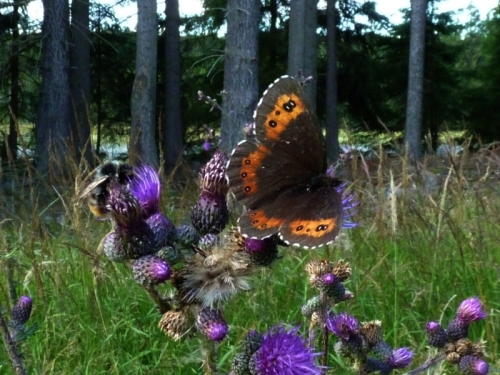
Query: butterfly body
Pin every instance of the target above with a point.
(279, 175)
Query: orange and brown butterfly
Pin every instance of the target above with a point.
(280, 174)
(97, 191)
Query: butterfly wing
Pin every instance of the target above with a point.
(307, 217)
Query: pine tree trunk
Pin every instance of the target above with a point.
(52, 125)
(14, 86)
(332, 124)
(143, 147)
(241, 84)
(413, 125)
(302, 43)
(80, 80)
(172, 125)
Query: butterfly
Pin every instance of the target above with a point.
(279, 174)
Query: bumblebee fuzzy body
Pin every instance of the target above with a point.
(97, 192)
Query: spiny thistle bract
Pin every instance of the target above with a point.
(150, 270)
(175, 323)
(21, 311)
(210, 213)
(211, 323)
(262, 252)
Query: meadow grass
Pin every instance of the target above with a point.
(420, 249)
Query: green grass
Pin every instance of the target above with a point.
(414, 259)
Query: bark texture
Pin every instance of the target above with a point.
(52, 125)
(172, 125)
(143, 147)
(302, 42)
(332, 124)
(240, 70)
(414, 105)
(80, 80)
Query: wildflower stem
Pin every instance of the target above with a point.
(163, 305)
(209, 357)
(324, 312)
(10, 345)
(428, 364)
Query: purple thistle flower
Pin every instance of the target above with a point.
(21, 311)
(262, 252)
(206, 146)
(211, 323)
(151, 270)
(146, 187)
(400, 358)
(342, 325)
(473, 365)
(284, 352)
(436, 335)
(471, 310)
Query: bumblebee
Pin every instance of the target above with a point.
(97, 192)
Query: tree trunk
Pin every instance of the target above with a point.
(143, 148)
(52, 125)
(302, 43)
(241, 84)
(14, 85)
(80, 81)
(172, 126)
(332, 124)
(413, 124)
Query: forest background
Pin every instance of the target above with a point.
(460, 85)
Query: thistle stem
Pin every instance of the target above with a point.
(428, 364)
(209, 357)
(163, 305)
(10, 345)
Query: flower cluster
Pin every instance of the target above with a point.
(453, 340)
(363, 342)
(131, 197)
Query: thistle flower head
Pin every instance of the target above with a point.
(436, 335)
(175, 323)
(124, 207)
(146, 187)
(164, 232)
(470, 310)
(21, 311)
(211, 323)
(342, 325)
(284, 352)
(150, 270)
(213, 174)
(262, 252)
(210, 213)
(400, 358)
(214, 275)
(372, 331)
(472, 365)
